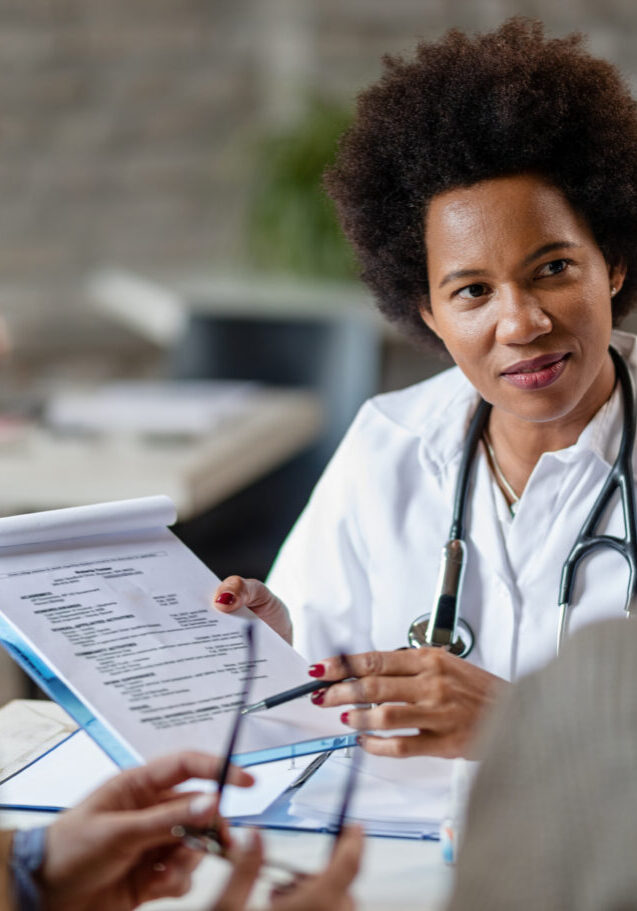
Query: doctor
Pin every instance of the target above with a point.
(489, 188)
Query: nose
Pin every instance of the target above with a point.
(521, 318)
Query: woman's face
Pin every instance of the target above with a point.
(520, 295)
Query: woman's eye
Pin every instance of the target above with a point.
(554, 267)
(471, 292)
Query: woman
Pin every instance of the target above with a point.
(489, 188)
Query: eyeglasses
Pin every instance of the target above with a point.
(210, 840)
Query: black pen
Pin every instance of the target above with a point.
(288, 695)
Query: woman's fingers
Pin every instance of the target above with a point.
(141, 786)
(346, 857)
(328, 890)
(428, 689)
(396, 716)
(247, 863)
(236, 592)
(447, 746)
(403, 662)
(379, 689)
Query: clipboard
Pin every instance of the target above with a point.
(134, 653)
(108, 740)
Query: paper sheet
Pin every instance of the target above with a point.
(392, 797)
(62, 777)
(30, 728)
(67, 774)
(119, 609)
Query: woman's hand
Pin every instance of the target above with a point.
(429, 689)
(116, 849)
(235, 592)
(327, 891)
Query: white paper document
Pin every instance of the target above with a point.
(400, 797)
(30, 728)
(64, 776)
(112, 614)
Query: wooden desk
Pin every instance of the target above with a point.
(44, 471)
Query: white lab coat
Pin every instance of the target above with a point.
(362, 561)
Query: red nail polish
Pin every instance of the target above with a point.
(318, 697)
(344, 717)
(225, 598)
(317, 670)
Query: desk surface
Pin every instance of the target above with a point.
(397, 874)
(43, 471)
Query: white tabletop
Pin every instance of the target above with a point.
(397, 874)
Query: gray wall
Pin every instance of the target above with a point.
(127, 126)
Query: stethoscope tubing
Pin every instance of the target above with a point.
(620, 478)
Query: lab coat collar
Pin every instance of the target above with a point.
(444, 432)
(601, 436)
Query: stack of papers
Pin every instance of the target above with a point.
(405, 798)
(30, 728)
(399, 798)
(176, 407)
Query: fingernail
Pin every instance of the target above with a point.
(202, 803)
(317, 670)
(225, 598)
(344, 717)
(318, 697)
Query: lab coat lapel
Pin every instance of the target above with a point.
(482, 524)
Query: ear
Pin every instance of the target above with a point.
(617, 275)
(428, 318)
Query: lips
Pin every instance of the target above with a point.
(537, 372)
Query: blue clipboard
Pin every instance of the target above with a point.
(115, 747)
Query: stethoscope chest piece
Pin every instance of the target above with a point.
(417, 636)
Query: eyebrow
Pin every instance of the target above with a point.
(541, 251)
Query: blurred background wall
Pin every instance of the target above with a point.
(185, 138)
(128, 128)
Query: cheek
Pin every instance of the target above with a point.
(467, 335)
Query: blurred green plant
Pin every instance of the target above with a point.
(292, 225)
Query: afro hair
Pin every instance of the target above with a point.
(472, 108)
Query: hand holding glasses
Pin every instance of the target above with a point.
(213, 840)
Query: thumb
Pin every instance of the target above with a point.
(235, 592)
(152, 827)
(247, 864)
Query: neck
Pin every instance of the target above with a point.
(519, 444)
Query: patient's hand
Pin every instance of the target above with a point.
(326, 891)
(440, 695)
(235, 592)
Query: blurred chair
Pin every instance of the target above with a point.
(278, 331)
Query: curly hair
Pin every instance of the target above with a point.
(468, 109)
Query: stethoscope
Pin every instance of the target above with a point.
(443, 627)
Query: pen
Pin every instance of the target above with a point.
(288, 695)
